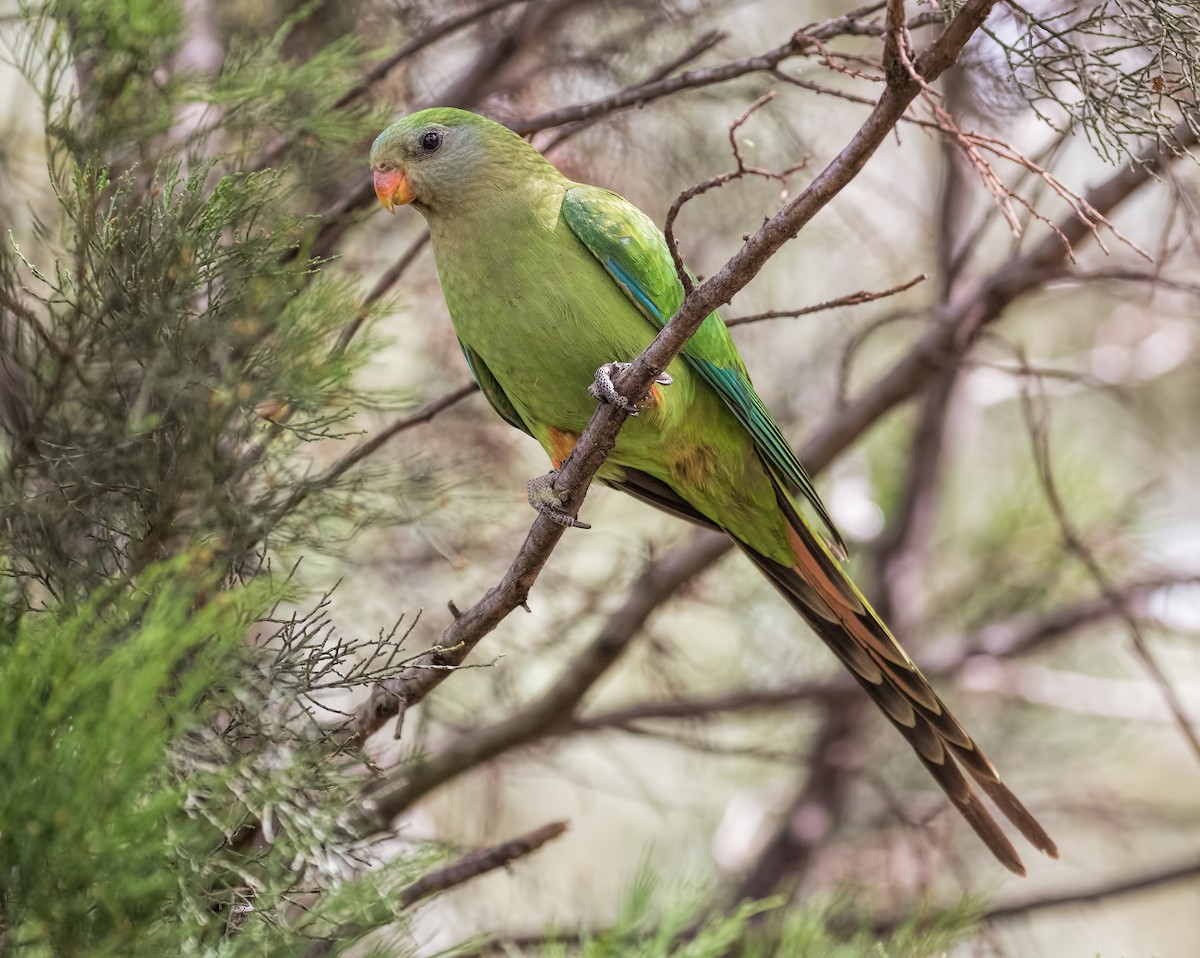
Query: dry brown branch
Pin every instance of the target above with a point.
(697, 49)
(428, 36)
(1032, 407)
(979, 304)
(385, 282)
(719, 180)
(1185, 871)
(469, 866)
(999, 640)
(850, 299)
(557, 704)
(600, 436)
(370, 446)
(816, 811)
(974, 145)
(802, 42)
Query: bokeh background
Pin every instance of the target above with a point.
(1029, 520)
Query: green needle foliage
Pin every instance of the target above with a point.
(657, 921)
(139, 734)
(165, 353)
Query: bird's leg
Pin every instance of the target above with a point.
(602, 387)
(548, 501)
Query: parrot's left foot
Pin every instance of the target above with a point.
(548, 501)
(602, 387)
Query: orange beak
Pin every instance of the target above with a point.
(392, 189)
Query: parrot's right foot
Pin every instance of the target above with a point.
(548, 501)
(602, 387)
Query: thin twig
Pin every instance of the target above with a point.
(385, 282)
(1186, 871)
(719, 180)
(697, 49)
(459, 872)
(850, 299)
(998, 640)
(557, 704)
(1075, 545)
(975, 307)
(430, 35)
(370, 446)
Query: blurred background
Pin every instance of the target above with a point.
(1023, 508)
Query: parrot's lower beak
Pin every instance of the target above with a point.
(391, 186)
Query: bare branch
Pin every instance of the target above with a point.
(385, 282)
(980, 304)
(600, 436)
(850, 299)
(370, 446)
(430, 35)
(685, 277)
(1076, 546)
(1183, 872)
(817, 809)
(469, 866)
(854, 23)
(555, 706)
(697, 49)
(998, 640)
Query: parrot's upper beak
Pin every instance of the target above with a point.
(391, 186)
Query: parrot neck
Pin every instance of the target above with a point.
(497, 208)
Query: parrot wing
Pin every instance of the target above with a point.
(492, 389)
(634, 253)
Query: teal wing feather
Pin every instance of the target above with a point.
(492, 390)
(634, 252)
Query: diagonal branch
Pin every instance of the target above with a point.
(599, 437)
(978, 305)
(469, 866)
(850, 299)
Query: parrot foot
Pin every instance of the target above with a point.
(602, 387)
(548, 501)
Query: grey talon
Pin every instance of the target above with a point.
(603, 390)
(548, 502)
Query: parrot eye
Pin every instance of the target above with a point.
(430, 140)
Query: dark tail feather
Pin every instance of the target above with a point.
(862, 642)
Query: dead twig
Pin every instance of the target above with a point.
(1033, 409)
(469, 866)
(599, 437)
(850, 299)
(721, 179)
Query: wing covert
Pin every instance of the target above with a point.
(492, 390)
(634, 253)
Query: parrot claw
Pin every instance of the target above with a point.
(547, 501)
(603, 390)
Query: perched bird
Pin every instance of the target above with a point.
(548, 282)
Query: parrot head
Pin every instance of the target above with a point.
(441, 158)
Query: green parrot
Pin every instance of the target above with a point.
(548, 282)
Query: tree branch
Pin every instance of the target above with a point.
(599, 437)
(1186, 871)
(850, 299)
(998, 640)
(469, 866)
(554, 708)
(960, 323)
